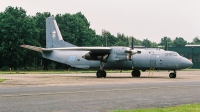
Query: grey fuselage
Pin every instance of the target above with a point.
(156, 59)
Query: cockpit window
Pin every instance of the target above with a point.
(171, 54)
(168, 54)
(175, 54)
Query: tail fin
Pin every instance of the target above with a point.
(53, 36)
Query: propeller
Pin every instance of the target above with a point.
(132, 44)
(131, 51)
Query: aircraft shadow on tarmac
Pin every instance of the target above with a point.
(123, 77)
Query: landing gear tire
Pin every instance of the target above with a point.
(101, 73)
(136, 73)
(172, 75)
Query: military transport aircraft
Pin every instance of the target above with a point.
(104, 58)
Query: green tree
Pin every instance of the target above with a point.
(146, 43)
(196, 40)
(136, 41)
(121, 40)
(76, 29)
(16, 28)
(96, 41)
(40, 24)
(108, 39)
(154, 45)
(164, 40)
(179, 42)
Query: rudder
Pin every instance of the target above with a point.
(53, 36)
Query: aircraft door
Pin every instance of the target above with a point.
(153, 61)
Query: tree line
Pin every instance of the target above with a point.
(16, 28)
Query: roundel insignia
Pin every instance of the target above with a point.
(72, 58)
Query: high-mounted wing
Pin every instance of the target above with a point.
(92, 49)
(94, 53)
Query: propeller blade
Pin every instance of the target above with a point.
(132, 44)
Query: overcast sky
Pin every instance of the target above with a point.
(143, 19)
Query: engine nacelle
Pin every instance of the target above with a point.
(119, 54)
(95, 56)
(131, 52)
(116, 54)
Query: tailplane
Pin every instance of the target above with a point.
(53, 36)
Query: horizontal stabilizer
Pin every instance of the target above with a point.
(34, 48)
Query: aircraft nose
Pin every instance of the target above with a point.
(186, 63)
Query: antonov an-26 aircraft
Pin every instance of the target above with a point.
(104, 58)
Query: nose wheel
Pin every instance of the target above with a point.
(172, 75)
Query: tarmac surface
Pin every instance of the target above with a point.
(85, 92)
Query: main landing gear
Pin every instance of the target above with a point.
(136, 73)
(172, 74)
(101, 73)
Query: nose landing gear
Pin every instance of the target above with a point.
(173, 74)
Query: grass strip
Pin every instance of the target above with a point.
(180, 108)
(1, 80)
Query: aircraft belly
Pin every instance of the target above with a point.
(118, 65)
